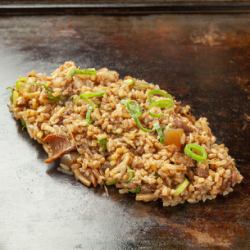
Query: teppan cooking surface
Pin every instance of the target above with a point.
(204, 60)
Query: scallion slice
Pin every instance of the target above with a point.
(88, 114)
(196, 152)
(88, 95)
(164, 103)
(102, 141)
(141, 85)
(91, 105)
(110, 183)
(20, 82)
(155, 115)
(50, 93)
(139, 125)
(181, 187)
(132, 107)
(158, 92)
(135, 191)
(159, 131)
(15, 95)
(131, 174)
(129, 81)
(23, 124)
(167, 102)
(77, 71)
(135, 111)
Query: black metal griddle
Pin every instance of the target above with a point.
(202, 59)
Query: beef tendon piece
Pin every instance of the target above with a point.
(57, 146)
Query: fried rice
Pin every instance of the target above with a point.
(100, 141)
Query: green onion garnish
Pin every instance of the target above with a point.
(165, 103)
(168, 102)
(23, 123)
(11, 93)
(135, 111)
(91, 105)
(159, 131)
(132, 107)
(135, 191)
(139, 125)
(50, 93)
(196, 152)
(88, 95)
(110, 183)
(181, 187)
(158, 92)
(20, 82)
(102, 141)
(88, 114)
(141, 85)
(131, 174)
(15, 95)
(129, 81)
(154, 115)
(77, 71)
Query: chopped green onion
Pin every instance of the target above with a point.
(135, 191)
(50, 93)
(159, 92)
(77, 71)
(88, 114)
(168, 102)
(139, 125)
(110, 183)
(87, 98)
(43, 84)
(196, 152)
(129, 81)
(88, 101)
(23, 123)
(159, 131)
(11, 93)
(23, 79)
(10, 88)
(135, 111)
(164, 103)
(137, 85)
(131, 174)
(155, 115)
(102, 141)
(75, 99)
(181, 187)
(15, 95)
(20, 82)
(87, 95)
(132, 107)
(141, 85)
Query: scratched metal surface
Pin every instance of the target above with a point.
(202, 60)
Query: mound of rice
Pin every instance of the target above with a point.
(105, 146)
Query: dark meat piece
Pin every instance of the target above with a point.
(140, 150)
(225, 185)
(58, 145)
(178, 123)
(190, 173)
(202, 172)
(147, 189)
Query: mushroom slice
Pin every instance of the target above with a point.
(58, 145)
